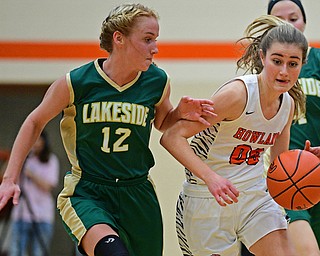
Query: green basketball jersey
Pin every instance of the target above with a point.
(106, 128)
(309, 126)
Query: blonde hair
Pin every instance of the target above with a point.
(260, 35)
(122, 18)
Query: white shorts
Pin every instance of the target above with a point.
(205, 228)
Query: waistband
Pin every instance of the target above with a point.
(202, 191)
(115, 182)
(196, 190)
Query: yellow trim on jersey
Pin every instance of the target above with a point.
(165, 90)
(67, 212)
(71, 92)
(112, 83)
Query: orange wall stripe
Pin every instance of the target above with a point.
(83, 50)
(198, 50)
(90, 50)
(48, 50)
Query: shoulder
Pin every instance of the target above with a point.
(84, 71)
(314, 52)
(155, 75)
(79, 78)
(230, 99)
(234, 87)
(85, 66)
(155, 70)
(315, 49)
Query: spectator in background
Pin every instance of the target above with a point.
(6, 212)
(33, 218)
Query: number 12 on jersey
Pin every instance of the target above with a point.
(119, 145)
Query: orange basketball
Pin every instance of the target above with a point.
(293, 179)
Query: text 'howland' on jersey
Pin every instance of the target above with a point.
(255, 136)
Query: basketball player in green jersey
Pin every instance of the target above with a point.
(307, 128)
(108, 204)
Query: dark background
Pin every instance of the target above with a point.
(17, 101)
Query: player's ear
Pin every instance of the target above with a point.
(262, 57)
(118, 37)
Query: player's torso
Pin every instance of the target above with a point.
(234, 149)
(112, 124)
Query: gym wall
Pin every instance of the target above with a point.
(42, 40)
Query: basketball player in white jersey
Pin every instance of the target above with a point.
(224, 200)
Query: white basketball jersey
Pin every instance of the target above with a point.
(234, 149)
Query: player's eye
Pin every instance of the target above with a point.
(276, 61)
(293, 64)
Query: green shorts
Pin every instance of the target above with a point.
(131, 207)
(298, 215)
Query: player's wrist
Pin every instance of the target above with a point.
(8, 179)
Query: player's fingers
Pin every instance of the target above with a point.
(307, 145)
(233, 197)
(3, 202)
(15, 198)
(220, 201)
(209, 113)
(226, 198)
(203, 121)
(186, 99)
(234, 191)
(207, 107)
(207, 102)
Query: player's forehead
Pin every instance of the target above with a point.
(146, 25)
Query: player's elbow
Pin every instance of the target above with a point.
(167, 139)
(163, 139)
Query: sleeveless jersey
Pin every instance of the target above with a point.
(234, 149)
(106, 128)
(308, 127)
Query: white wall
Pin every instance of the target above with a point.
(79, 20)
(180, 20)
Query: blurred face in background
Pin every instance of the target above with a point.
(38, 146)
(290, 12)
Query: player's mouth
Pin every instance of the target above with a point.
(283, 82)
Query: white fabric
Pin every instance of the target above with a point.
(41, 202)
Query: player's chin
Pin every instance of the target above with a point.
(284, 87)
(146, 64)
(144, 68)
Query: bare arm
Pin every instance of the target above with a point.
(55, 100)
(282, 142)
(229, 104)
(188, 108)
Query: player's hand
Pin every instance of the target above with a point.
(9, 190)
(196, 109)
(314, 150)
(222, 189)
